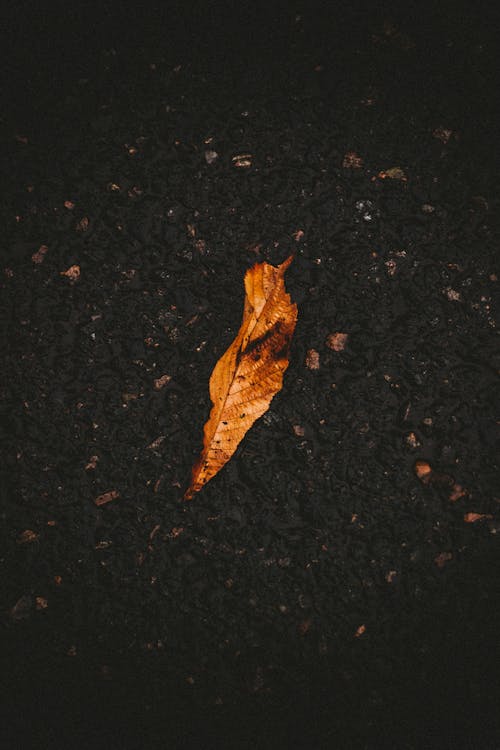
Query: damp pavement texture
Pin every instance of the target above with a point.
(336, 585)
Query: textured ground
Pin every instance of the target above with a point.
(317, 592)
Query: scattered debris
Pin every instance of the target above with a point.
(106, 497)
(391, 266)
(312, 359)
(473, 517)
(337, 341)
(457, 492)
(22, 608)
(351, 160)
(394, 173)
(175, 532)
(162, 381)
(304, 626)
(39, 256)
(211, 156)
(412, 440)
(442, 134)
(359, 632)
(423, 471)
(156, 443)
(452, 294)
(92, 463)
(242, 161)
(72, 273)
(442, 559)
(27, 537)
(82, 225)
(299, 430)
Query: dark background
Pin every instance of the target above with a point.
(233, 620)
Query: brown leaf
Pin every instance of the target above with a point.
(250, 373)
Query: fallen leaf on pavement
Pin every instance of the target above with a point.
(250, 373)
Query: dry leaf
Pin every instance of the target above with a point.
(250, 373)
